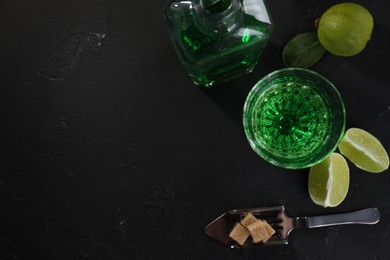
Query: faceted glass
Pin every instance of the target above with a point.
(294, 118)
(217, 40)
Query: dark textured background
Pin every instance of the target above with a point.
(108, 151)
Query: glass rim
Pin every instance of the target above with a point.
(255, 94)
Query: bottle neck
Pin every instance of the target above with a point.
(217, 17)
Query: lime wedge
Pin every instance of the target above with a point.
(329, 181)
(364, 150)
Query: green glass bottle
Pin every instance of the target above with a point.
(217, 40)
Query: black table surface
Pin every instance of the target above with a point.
(109, 151)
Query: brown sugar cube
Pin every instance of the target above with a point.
(270, 230)
(258, 231)
(249, 219)
(239, 233)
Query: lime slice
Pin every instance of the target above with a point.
(364, 150)
(344, 29)
(329, 181)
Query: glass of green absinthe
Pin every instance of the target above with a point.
(294, 118)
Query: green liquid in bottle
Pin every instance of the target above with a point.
(218, 40)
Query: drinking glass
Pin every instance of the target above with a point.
(294, 118)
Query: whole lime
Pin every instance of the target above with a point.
(344, 29)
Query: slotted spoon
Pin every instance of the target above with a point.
(220, 228)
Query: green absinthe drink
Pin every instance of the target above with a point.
(217, 40)
(294, 118)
